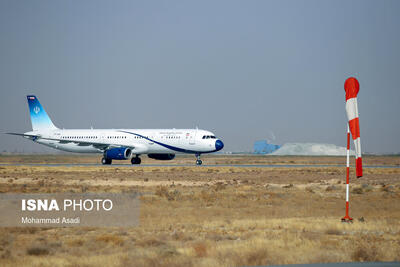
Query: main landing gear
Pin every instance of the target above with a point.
(198, 161)
(136, 160)
(106, 161)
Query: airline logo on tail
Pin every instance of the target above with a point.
(39, 118)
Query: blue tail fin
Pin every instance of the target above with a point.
(39, 118)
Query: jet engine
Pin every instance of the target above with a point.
(118, 153)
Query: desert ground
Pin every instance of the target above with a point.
(217, 215)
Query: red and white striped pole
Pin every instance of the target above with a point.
(347, 218)
(352, 87)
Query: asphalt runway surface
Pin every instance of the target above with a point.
(192, 165)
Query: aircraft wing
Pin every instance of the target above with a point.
(101, 146)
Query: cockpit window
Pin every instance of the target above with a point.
(209, 137)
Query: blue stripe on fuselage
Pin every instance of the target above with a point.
(178, 149)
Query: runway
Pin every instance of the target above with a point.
(193, 165)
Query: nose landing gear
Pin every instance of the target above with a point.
(198, 161)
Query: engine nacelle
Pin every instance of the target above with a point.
(162, 156)
(118, 153)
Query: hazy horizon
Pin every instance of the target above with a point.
(245, 70)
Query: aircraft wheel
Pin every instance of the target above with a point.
(106, 161)
(136, 160)
(199, 162)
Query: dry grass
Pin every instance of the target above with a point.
(214, 216)
(112, 239)
(200, 249)
(37, 251)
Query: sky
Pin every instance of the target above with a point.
(245, 70)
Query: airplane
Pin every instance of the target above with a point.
(119, 144)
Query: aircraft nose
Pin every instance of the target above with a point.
(219, 145)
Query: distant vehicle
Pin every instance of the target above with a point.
(119, 144)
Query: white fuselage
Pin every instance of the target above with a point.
(141, 141)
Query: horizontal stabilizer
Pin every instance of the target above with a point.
(24, 135)
(30, 136)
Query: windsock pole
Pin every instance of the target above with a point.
(352, 87)
(347, 218)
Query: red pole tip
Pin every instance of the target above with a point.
(351, 86)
